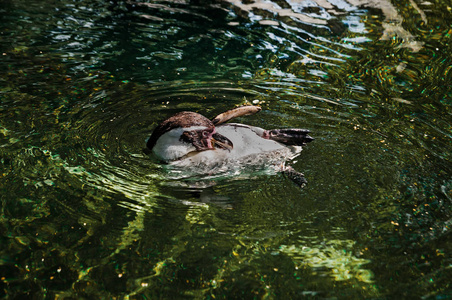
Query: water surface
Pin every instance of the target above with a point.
(85, 213)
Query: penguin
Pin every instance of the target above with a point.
(191, 142)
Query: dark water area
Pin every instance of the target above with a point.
(86, 214)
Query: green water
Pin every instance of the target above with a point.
(85, 214)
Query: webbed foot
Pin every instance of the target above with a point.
(290, 137)
(297, 177)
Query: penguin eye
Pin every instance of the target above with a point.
(205, 134)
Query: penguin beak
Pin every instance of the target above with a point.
(221, 142)
(204, 140)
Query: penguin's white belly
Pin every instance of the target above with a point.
(250, 149)
(247, 140)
